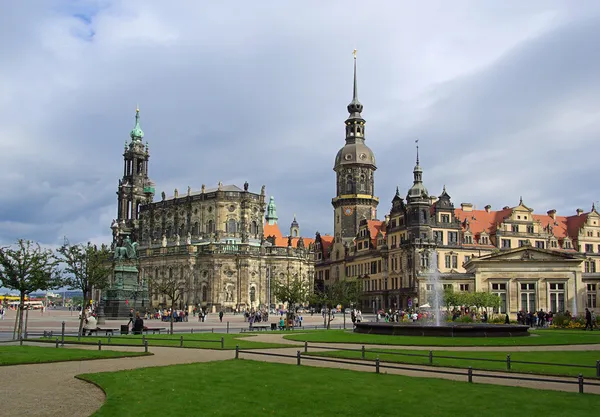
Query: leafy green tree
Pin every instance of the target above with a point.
(86, 267)
(173, 287)
(27, 267)
(343, 292)
(291, 290)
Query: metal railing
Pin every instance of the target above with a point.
(579, 380)
(430, 356)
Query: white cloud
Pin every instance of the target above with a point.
(503, 95)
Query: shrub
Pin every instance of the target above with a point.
(465, 319)
(560, 320)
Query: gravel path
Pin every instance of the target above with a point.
(52, 390)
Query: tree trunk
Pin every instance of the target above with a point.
(16, 322)
(20, 315)
(82, 318)
(171, 315)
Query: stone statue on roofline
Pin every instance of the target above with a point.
(188, 239)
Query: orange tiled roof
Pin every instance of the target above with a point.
(486, 221)
(272, 230)
(326, 242)
(376, 226)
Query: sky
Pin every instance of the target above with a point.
(504, 97)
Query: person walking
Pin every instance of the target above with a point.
(221, 316)
(588, 319)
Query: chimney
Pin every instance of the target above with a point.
(466, 206)
(505, 208)
(487, 208)
(579, 212)
(552, 214)
(432, 200)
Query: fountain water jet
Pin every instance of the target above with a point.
(438, 291)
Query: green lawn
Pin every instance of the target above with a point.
(248, 388)
(18, 355)
(538, 337)
(195, 340)
(587, 358)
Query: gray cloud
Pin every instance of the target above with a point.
(502, 95)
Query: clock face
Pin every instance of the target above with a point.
(348, 211)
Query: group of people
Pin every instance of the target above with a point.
(536, 319)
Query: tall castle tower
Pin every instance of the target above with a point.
(354, 168)
(418, 206)
(135, 188)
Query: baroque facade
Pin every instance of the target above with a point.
(529, 260)
(216, 243)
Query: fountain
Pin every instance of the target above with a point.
(452, 329)
(438, 291)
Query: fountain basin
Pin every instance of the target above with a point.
(444, 330)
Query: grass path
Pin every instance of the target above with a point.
(19, 355)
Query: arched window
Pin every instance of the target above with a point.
(252, 294)
(294, 233)
(349, 185)
(181, 229)
(231, 226)
(195, 229)
(168, 231)
(362, 183)
(254, 228)
(337, 272)
(204, 293)
(210, 227)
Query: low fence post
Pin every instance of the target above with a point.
(580, 381)
(227, 327)
(181, 341)
(21, 340)
(143, 339)
(298, 358)
(62, 334)
(146, 346)
(508, 362)
(362, 352)
(237, 351)
(305, 346)
(598, 369)
(431, 357)
(108, 339)
(25, 335)
(377, 365)
(470, 374)
(222, 343)
(212, 330)
(99, 344)
(192, 330)
(57, 342)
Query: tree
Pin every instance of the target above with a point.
(27, 268)
(173, 286)
(87, 267)
(341, 292)
(292, 291)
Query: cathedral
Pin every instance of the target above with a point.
(531, 260)
(217, 244)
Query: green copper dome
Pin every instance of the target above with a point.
(137, 133)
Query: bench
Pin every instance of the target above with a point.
(99, 329)
(154, 329)
(259, 328)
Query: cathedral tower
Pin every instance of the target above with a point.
(355, 181)
(135, 188)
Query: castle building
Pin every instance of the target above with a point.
(532, 261)
(216, 243)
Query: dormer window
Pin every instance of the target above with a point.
(567, 244)
(445, 218)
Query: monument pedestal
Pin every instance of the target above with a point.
(125, 293)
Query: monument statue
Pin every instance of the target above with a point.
(246, 185)
(164, 241)
(203, 188)
(177, 239)
(189, 191)
(262, 190)
(163, 196)
(176, 193)
(127, 251)
(220, 186)
(188, 239)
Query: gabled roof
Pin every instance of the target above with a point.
(272, 230)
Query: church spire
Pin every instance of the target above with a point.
(355, 124)
(137, 134)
